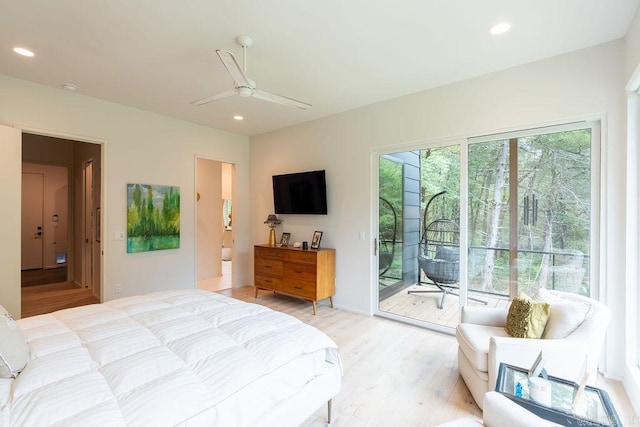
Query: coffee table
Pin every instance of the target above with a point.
(594, 408)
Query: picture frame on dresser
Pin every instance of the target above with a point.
(315, 242)
(284, 240)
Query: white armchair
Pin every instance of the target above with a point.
(574, 335)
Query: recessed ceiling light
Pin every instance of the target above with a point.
(22, 51)
(70, 86)
(238, 118)
(500, 28)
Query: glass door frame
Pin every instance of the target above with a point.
(376, 154)
(594, 123)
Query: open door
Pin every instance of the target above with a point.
(10, 171)
(87, 258)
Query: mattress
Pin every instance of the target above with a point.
(184, 357)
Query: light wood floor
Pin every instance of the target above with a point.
(394, 374)
(42, 299)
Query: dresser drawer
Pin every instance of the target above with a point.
(309, 257)
(268, 282)
(306, 274)
(299, 288)
(297, 271)
(268, 266)
(268, 253)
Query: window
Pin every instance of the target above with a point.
(531, 211)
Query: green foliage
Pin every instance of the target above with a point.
(147, 217)
(440, 170)
(391, 213)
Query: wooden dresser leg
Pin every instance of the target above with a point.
(331, 301)
(256, 292)
(314, 307)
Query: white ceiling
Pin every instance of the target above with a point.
(159, 55)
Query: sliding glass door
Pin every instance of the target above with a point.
(523, 221)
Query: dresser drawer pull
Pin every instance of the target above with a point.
(298, 287)
(267, 280)
(267, 266)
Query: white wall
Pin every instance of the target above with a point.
(139, 147)
(575, 85)
(632, 46)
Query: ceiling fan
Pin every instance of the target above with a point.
(244, 86)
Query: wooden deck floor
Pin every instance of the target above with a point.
(424, 306)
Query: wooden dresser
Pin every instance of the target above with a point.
(308, 274)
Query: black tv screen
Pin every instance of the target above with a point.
(300, 193)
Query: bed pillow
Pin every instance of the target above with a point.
(14, 351)
(527, 318)
(565, 316)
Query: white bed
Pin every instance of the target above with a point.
(185, 357)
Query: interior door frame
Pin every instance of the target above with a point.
(234, 264)
(102, 257)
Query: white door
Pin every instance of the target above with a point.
(10, 172)
(87, 259)
(32, 216)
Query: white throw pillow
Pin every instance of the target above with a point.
(14, 351)
(564, 317)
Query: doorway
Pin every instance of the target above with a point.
(214, 219)
(61, 249)
(495, 216)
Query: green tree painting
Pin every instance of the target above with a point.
(153, 217)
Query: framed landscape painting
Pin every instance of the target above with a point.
(153, 217)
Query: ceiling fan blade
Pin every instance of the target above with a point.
(234, 69)
(279, 99)
(209, 99)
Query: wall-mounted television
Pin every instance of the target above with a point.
(300, 193)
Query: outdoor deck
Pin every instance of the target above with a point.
(424, 306)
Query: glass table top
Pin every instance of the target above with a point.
(592, 408)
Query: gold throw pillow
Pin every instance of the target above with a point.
(527, 318)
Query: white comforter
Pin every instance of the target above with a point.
(184, 357)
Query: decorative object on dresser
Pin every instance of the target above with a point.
(306, 274)
(272, 221)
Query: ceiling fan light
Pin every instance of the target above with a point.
(244, 92)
